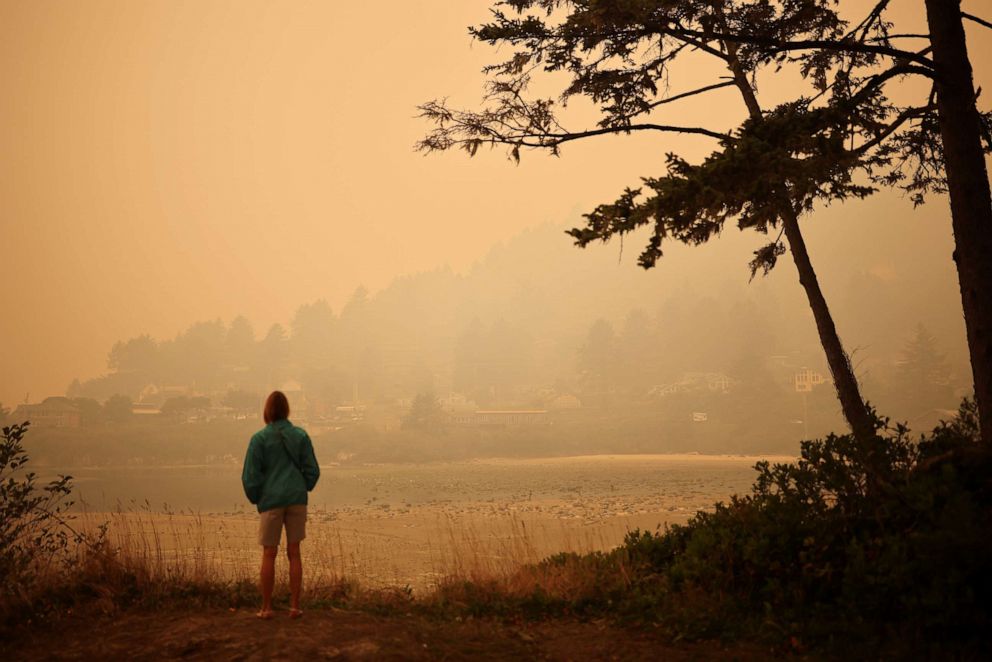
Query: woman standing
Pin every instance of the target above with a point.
(280, 469)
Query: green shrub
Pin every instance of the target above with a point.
(853, 544)
(32, 531)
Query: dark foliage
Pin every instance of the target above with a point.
(425, 414)
(877, 549)
(32, 530)
(851, 544)
(840, 138)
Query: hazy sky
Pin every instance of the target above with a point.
(165, 162)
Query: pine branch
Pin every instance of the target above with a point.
(891, 128)
(976, 19)
(776, 45)
(565, 137)
(677, 97)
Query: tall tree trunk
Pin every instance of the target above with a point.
(968, 185)
(848, 391)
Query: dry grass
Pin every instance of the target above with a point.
(409, 531)
(486, 531)
(152, 558)
(501, 548)
(482, 566)
(417, 555)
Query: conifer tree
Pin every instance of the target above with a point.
(843, 137)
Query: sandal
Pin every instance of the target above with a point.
(296, 613)
(264, 614)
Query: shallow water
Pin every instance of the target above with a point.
(641, 481)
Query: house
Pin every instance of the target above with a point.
(456, 402)
(145, 409)
(662, 390)
(348, 414)
(503, 418)
(299, 404)
(53, 412)
(806, 379)
(565, 401)
(717, 381)
(695, 382)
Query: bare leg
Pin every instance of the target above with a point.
(268, 576)
(295, 574)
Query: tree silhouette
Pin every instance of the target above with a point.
(312, 339)
(962, 130)
(117, 409)
(242, 402)
(273, 352)
(471, 362)
(197, 355)
(924, 376)
(181, 405)
(639, 355)
(138, 354)
(240, 341)
(841, 139)
(425, 414)
(90, 411)
(598, 357)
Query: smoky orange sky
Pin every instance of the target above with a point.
(163, 162)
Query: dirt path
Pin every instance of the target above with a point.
(331, 634)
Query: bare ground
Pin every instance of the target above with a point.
(334, 634)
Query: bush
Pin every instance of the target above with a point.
(877, 547)
(32, 531)
(880, 543)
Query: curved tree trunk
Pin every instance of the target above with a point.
(968, 185)
(848, 392)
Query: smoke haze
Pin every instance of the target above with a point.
(166, 164)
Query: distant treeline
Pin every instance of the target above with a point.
(536, 320)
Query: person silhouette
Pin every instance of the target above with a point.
(280, 470)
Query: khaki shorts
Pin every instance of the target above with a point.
(271, 521)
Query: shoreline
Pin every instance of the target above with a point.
(494, 460)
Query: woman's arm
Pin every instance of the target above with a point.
(253, 476)
(309, 467)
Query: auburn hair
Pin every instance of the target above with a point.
(276, 407)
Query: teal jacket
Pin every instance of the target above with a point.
(280, 467)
